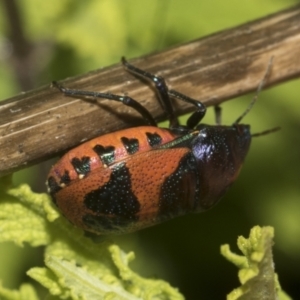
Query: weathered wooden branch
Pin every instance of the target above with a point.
(38, 124)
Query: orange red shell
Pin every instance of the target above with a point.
(115, 147)
(133, 178)
(90, 186)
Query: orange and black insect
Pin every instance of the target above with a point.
(138, 177)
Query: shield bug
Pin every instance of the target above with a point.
(127, 180)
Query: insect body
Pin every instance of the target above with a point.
(134, 178)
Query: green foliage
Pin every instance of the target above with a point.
(78, 268)
(26, 292)
(24, 215)
(75, 266)
(256, 267)
(71, 37)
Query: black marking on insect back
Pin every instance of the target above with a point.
(131, 145)
(106, 154)
(81, 166)
(116, 196)
(180, 191)
(154, 139)
(53, 188)
(65, 178)
(115, 201)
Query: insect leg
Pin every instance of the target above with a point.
(218, 111)
(124, 99)
(161, 89)
(196, 116)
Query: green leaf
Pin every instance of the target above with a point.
(26, 292)
(76, 267)
(256, 274)
(97, 278)
(24, 215)
(70, 280)
(144, 288)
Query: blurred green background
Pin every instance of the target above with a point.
(64, 38)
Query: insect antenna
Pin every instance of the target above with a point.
(266, 131)
(259, 88)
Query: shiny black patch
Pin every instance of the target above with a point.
(174, 192)
(106, 154)
(53, 187)
(115, 199)
(131, 145)
(65, 178)
(154, 139)
(81, 166)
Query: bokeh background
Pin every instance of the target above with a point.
(45, 40)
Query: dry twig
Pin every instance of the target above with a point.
(39, 124)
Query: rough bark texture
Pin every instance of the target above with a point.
(41, 123)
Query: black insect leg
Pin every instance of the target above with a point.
(218, 114)
(161, 89)
(196, 116)
(124, 99)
